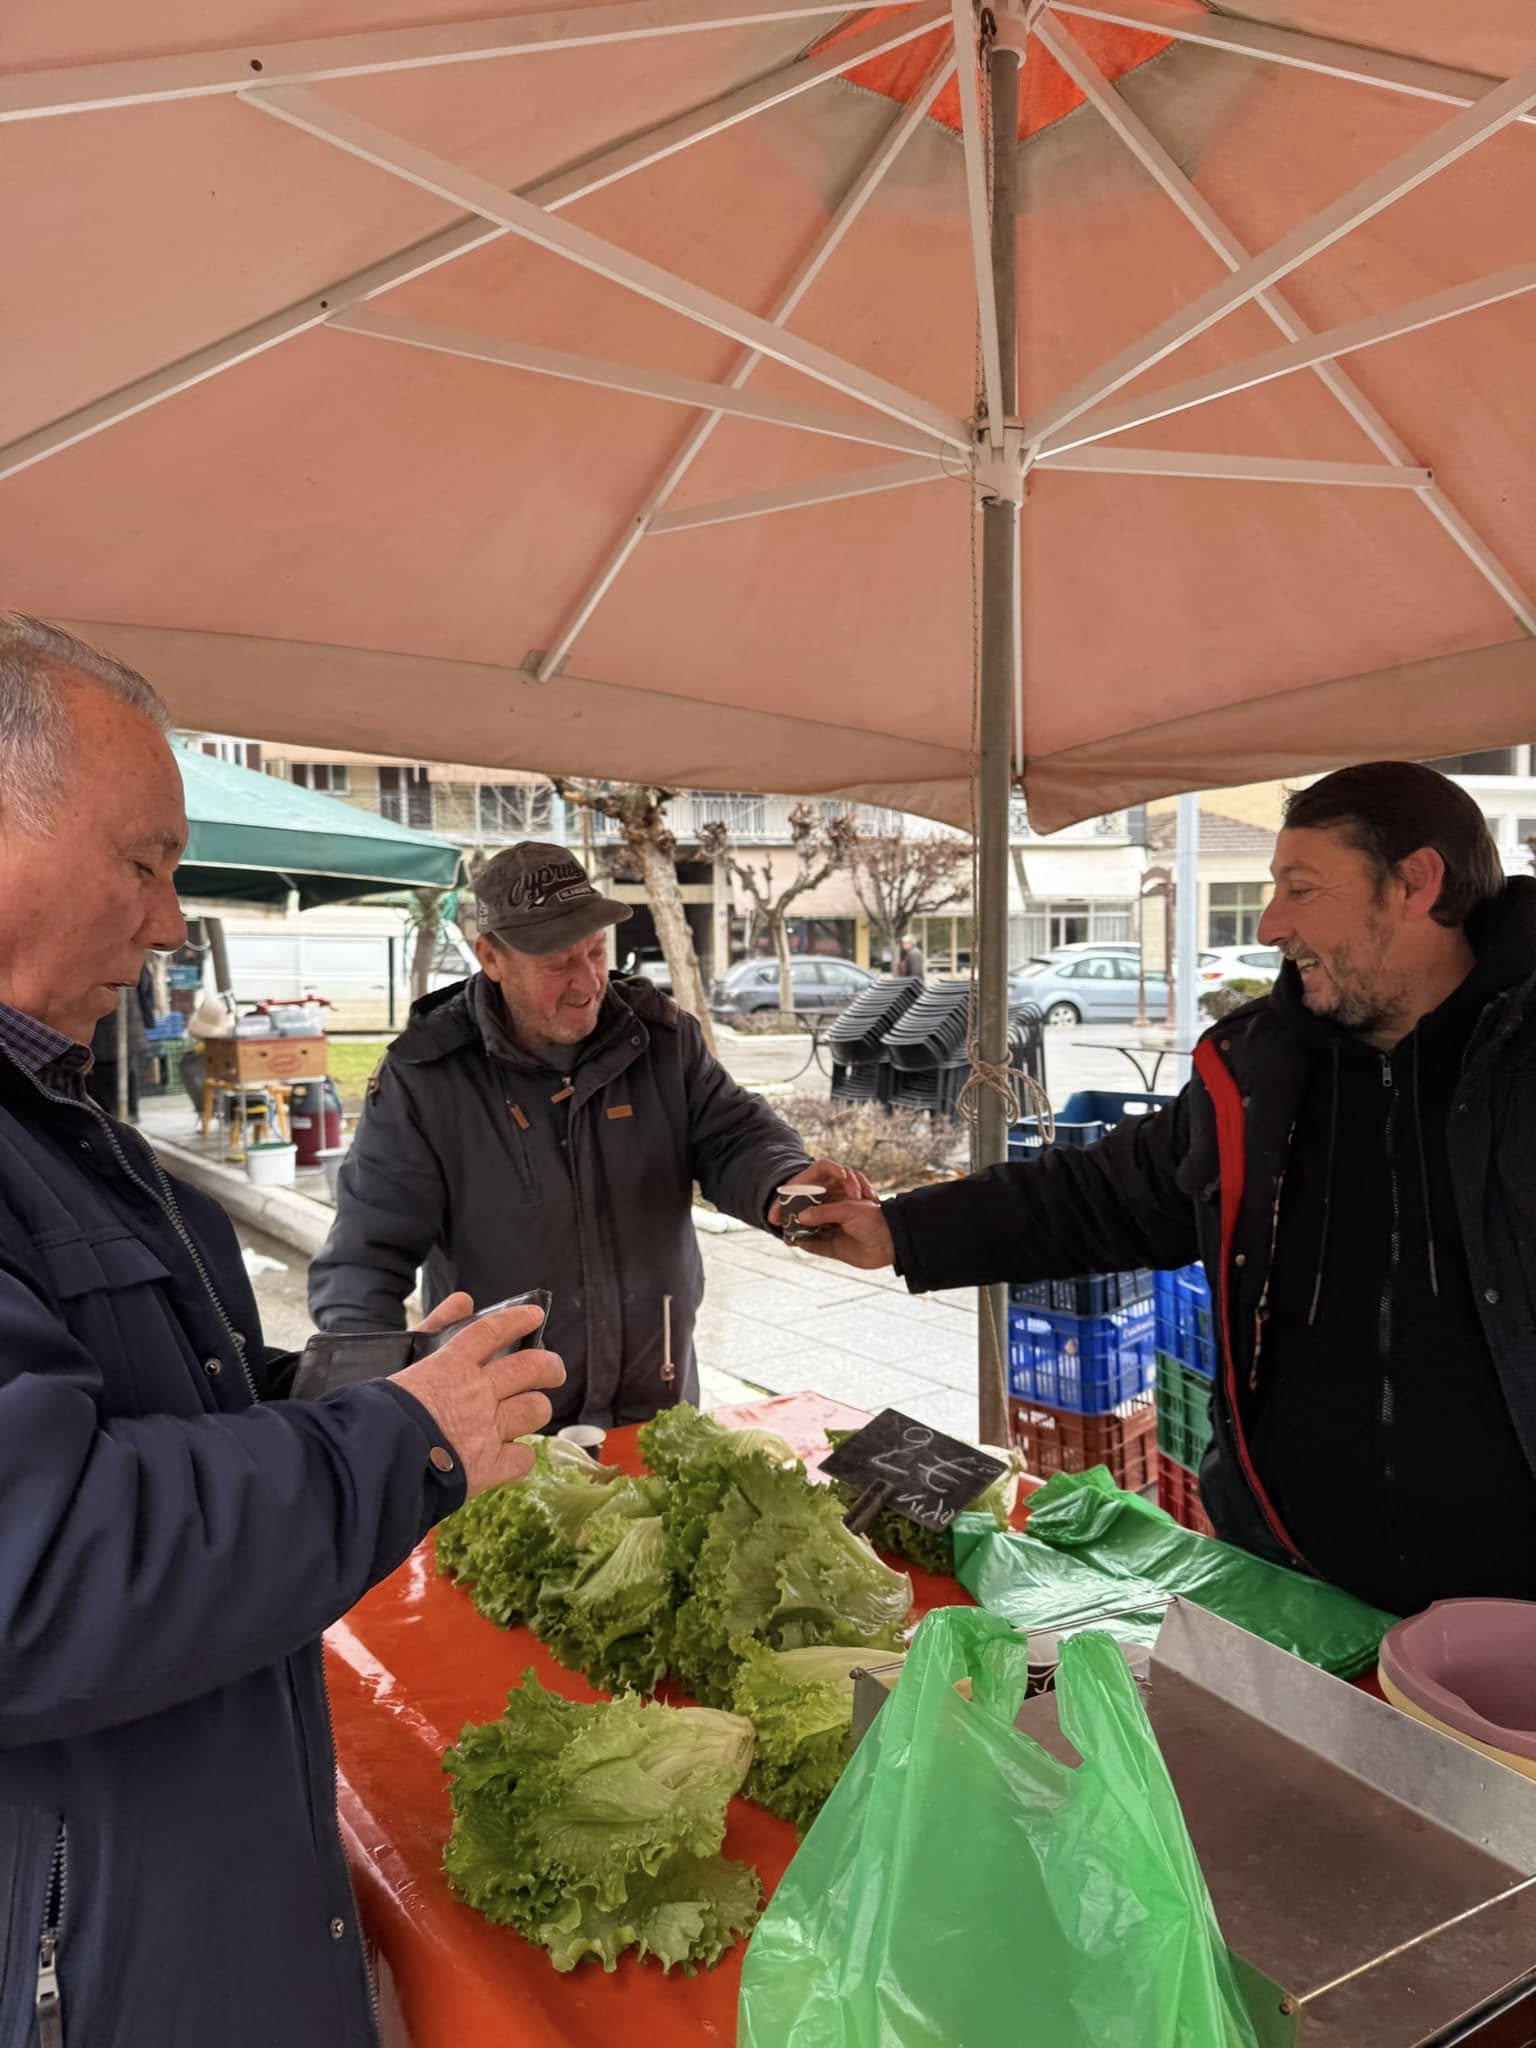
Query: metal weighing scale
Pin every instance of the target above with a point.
(1375, 1881)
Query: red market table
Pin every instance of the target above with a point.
(407, 1667)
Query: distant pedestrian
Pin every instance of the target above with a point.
(911, 964)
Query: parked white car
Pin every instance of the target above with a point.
(1220, 964)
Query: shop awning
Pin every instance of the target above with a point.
(256, 839)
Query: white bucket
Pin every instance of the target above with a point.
(272, 1165)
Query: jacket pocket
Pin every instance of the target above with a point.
(34, 1887)
(115, 1296)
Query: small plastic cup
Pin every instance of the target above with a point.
(794, 1200)
(586, 1436)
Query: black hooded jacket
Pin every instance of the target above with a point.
(1368, 1224)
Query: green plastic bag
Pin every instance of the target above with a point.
(1085, 1521)
(963, 1889)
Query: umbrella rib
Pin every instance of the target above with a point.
(848, 209)
(83, 88)
(1291, 48)
(1278, 309)
(1316, 348)
(1452, 140)
(461, 187)
(1267, 469)
(714, 399)
(849, 483)
(560, 189)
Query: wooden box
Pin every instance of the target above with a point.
(254, 1060)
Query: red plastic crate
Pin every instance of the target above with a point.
(1057, 1440)
(1178, 1493)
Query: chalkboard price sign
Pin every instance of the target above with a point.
(904, 1465)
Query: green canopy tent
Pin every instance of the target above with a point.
(256, 839)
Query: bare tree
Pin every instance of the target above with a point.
(899, 876)
(649, 842)
(821, 846)
(424, 924)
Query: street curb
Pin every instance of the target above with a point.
(293, 1219)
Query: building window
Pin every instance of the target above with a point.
(330, 777)
(1068, 923)
(946, 943)
(239, 753)
(405, 795)
(1236, 908)
(514, 810)
(1525, 831)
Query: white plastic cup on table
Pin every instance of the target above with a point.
(794, 1200)
(586, 1436)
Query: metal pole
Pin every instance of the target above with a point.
(124, 998)
(1187, 902)
(999, 661)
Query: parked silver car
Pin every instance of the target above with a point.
(822, 986)
(1088, 985)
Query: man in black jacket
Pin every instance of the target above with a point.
(1355, 1163)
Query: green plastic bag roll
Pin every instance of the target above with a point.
(963, 1889)
(1086, 1520)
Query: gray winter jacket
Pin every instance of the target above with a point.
(474, 1159)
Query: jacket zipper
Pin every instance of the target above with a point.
(357, 1920)
(164, 1200)
(50, 2010)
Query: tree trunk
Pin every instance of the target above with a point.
(659, 872)
(429, 923)
(778, 925)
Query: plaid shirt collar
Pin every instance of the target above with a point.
(43, 1054)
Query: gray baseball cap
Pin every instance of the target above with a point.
(538, 899)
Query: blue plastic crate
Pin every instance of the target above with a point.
(1109, 1106)
(1086, 1116)
(1027, 1137)
(1088, 1365)
(1185, 1329)
(1093, 1294)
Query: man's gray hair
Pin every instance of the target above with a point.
(34, 718)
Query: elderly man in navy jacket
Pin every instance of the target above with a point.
(174, 1535)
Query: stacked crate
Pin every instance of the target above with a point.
(1081, 1352)
(1186, 1369)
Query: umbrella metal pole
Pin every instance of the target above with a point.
(124, 998)
(999, 664)
(1187, 946)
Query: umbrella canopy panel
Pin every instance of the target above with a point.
(255, 839)
(399, 401)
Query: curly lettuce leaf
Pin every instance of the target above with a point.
(801, 1704)
(592, 1828)
(608, 1613)
(775, 1563)
(687, 1915)
(503, 1544)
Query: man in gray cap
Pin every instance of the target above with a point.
(542, 1126)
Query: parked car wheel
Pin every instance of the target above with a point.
(1063, 1013)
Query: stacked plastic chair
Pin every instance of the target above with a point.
(856, 1038)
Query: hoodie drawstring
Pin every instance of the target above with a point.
(1418, 1132)
(1333, 1139)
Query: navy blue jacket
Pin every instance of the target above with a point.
(171, 1546)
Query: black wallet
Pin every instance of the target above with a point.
(329, 1362)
